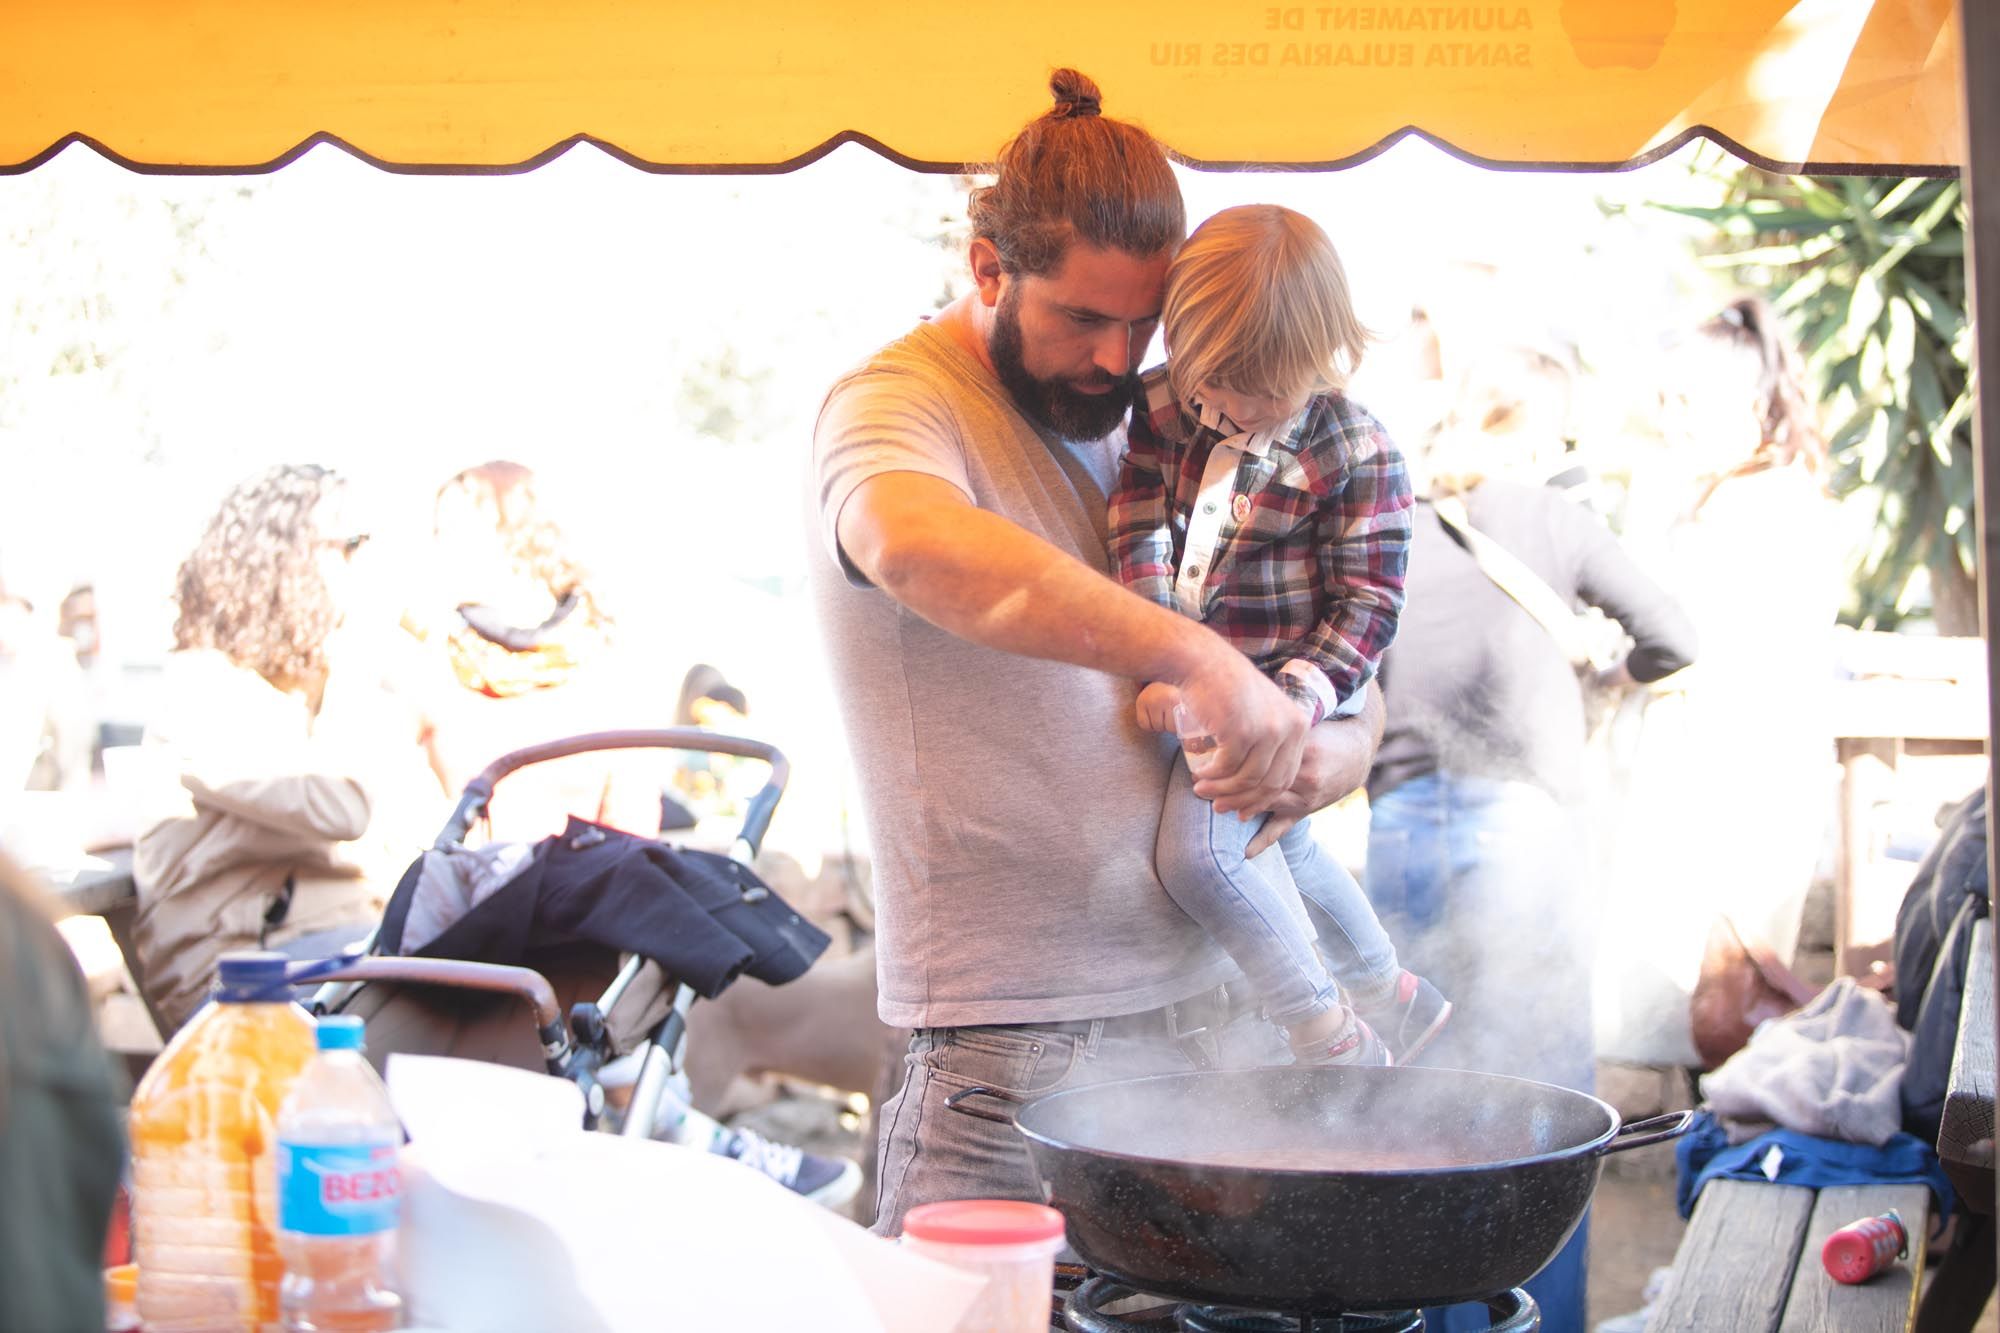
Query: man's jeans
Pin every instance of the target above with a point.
(1253, 912)
(1479, 879)
(929, 1152)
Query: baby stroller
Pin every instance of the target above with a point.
(417, 998)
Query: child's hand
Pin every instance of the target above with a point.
(1157, 702)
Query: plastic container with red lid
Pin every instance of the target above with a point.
(1013, 1245)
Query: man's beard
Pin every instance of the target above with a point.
(1071, 414)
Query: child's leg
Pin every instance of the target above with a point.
(1257, 922)
(1360, 952)
(1405, 1010)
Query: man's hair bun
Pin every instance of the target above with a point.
(1075, 94)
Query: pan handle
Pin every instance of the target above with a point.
(957, 1100)
(1657, 1129)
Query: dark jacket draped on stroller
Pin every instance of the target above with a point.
(626, 932)
(702, 917)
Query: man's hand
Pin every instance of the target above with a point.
(1157, 702)
(1336, 758)
(1259, 733)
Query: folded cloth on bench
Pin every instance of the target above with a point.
(1834, 1067)
(1705, 1153)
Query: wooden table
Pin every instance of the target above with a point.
(100, 885)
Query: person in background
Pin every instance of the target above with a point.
(76, 620)
(61, 1145)
(47, 726)
(533, 657)
(524, 653)
(709, 700)
(524, 615)
(703, 784)
(1513, 403)
(289, 768)
(1734, 513)
(1475, 851)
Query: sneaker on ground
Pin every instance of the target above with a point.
(1410, 1018)
(827, 1181)
(1358, 1045)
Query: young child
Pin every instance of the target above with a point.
(1256, 498)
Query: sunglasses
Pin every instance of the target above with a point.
(347, 546)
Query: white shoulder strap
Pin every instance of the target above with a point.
(1519, 582)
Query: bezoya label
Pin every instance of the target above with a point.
(338, 1189)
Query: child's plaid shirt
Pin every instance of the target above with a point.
(1290, 543)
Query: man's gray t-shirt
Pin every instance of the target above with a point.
(1013, 803)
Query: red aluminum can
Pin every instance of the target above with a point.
(1860, 1250)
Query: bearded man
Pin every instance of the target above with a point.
(987, 667)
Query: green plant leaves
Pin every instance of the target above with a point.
(1869, 276)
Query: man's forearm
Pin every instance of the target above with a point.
(989, 581)
(985, 579)
(1345, 750)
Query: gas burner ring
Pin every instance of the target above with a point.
(1513, 1312)
(1220, 1319)
(1083, 1310)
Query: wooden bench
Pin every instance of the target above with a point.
(1965, 1139)
(1750, 1258)
(1750, 1263)
(1964, 1279)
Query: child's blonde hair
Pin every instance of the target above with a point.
(1257, 302)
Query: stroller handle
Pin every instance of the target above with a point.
(523, 983)
(472, 802)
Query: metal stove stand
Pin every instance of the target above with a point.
(1081, 1300)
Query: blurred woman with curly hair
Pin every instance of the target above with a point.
(285, 739)
(256, 587)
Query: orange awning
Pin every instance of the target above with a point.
(757, 85)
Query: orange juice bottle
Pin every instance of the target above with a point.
(204, 1183)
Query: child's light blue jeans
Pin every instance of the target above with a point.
(1259, 915)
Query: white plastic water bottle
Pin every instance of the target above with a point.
(339, 1192)
(1197, 741)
